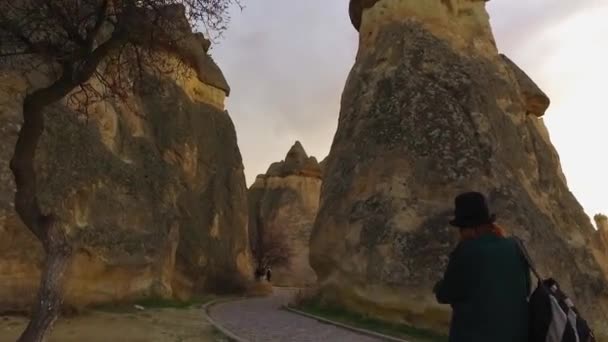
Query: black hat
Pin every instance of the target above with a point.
(471, 210)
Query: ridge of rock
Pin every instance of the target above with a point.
(601, 222)
(296, 162)
(191, 47)
(536, 101)
(356, 8)
(464, 24)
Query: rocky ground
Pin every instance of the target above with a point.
(156, 325)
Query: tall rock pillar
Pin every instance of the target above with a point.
(152, 186)
(283, 204)
(431, 109)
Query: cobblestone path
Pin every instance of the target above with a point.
(263, 320)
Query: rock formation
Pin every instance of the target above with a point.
(286, 199)
(431, 109)
(601, 221)
(152, 187)
(601, 240)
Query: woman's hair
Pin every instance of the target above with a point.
(475, 232)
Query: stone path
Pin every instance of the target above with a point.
(261, 319)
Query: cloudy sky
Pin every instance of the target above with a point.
(287, 62)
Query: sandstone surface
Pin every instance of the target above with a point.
(601, 240)
(601, 222)
(286, 199)
(431, 109)
(152, 189)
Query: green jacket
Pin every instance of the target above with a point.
(487, 283)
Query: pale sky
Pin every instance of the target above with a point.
(287, 63)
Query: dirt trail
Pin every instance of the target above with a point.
(155, 325)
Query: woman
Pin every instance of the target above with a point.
(487, 281)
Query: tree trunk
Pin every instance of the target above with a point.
(50, 294)
(45, 227)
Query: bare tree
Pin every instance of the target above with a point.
(78, 45)
(270, 248)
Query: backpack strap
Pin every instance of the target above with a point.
(526, 255)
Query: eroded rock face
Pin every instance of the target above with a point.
(286, 198)
(431, 109)
(152, 191)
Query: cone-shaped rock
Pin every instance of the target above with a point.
(286, 200)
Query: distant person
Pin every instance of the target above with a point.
(487, 280)
(268, 274)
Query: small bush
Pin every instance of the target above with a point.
(305, 296)
(228, 283)
(312, 302)
(259, 289)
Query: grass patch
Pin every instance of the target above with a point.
(340, 315)
(161, 303)
(154, 303)
(218, 336)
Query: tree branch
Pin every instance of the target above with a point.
(22, 163)
(88, 67)
(65, 23)
(100, 19)
(46, 49)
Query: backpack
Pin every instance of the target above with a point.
(553, 316)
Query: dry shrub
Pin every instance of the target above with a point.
(259, 289)
(305, 296)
